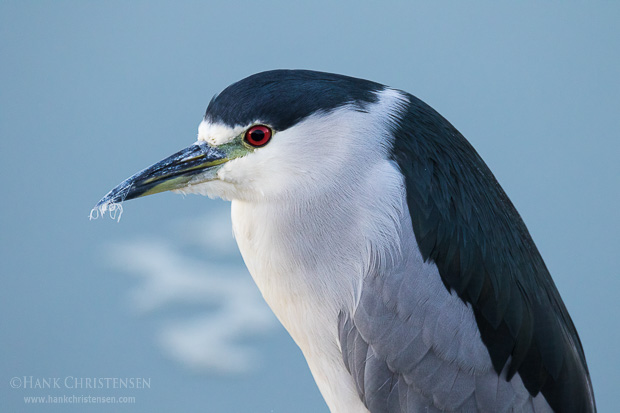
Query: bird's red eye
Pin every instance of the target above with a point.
(258, 136)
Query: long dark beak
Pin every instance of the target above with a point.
(198, 162)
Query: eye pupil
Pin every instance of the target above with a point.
(258, 136)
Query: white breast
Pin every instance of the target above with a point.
(308, 275)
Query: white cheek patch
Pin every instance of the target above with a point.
(217, 134)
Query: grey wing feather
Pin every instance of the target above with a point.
(411, 346)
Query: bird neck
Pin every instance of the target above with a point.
(309, 256)
(309, 253)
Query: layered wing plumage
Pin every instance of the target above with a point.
(403, 348)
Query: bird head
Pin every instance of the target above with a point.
(275, 135)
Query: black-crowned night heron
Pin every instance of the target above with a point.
(384, 245)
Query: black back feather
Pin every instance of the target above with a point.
(464, 223)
